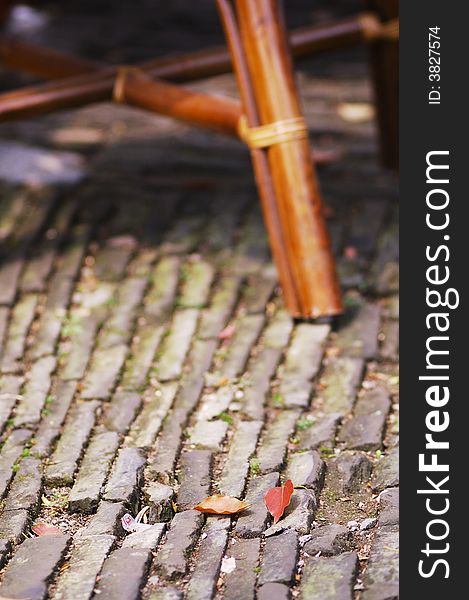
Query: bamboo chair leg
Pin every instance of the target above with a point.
(384, 57)
(302, 235)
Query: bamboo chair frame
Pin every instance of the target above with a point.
(268, 118)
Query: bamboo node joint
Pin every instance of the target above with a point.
(270, 134)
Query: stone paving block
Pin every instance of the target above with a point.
(147, 539)
(307, 469)
(321, 433)
(389, 507)
(278, 331)
(113, 257)
(364, 431)
(241, 582)
(208, 434)
(261, 370)
(50, 322)
(106, 364)
(5, 548)
(156, 406)
(197, 280)
(72, 255)
(329, 540)
(195, 467)
(298, 515)
(126, 476)
(382, 574)
(215, 317)
(32, 566)
(160, 297)
(145, 344)
(259, 289)
(339, 383)
(274, 591)
(386, 472)
(183, 236)
(63, 463)
(171, 559)
(86, 560)
(13, 525)
(161, 465)
(10, 386)
(166, 594)
(271, 453)
(120, 413)
(82, 336)
(251, 522)
(304, 355)
(123, 574)
(9, 455)
(348, 472)
(248, 329)
(279, 560)
(390, 343)
(36, 388)
(93, 471)
(159, 498)
(210, 553)
(21, 318)
(329, 578)
(215, 402)
(25, 489)
(61, 396)
(118, 328)
(4, 317)
(358, 331)
(176, 344)
(236, 468)
(9, 275)
(106, 521)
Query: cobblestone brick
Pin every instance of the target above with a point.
(176, 344)
(358, 335)
(171, 559)
(13, 524)
(106, 364)
(321, 433)
(306, 469)
(126, 476)
(38, 380)
(208, 434)
(328, 540)
(123, 574)
(121, 411)
(381, 576)
(63, 463)
(86, 490)
(279, 560)
(271, 453)
(241, 582)
(348, 472)
(389, 507)
(386, 472)
(216, 315)
(147, 539)
(106, 521)
(86, 560)
(148, 423)
(339, 384)
(32, 566)
(10, 386)
(298, 515)
(194, 478)
(159, 498)
(248, 329)
(236, 467)
(25, 490)
(10, 453)
(21, 319)
(204, 576)
(329, 578)
(198, 277)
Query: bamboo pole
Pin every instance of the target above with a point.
(265, 44)
(260, 163)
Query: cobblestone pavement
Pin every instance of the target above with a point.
(146, 358)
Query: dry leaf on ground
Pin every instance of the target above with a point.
(221, 505)
(278, 498)
(45, 529)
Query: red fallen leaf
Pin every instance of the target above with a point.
(45, 529)
(227, 333)
(278, 498)
(221, 505)
(350, 252)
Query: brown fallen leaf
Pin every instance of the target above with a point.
(221, 505)
(45, 529)
(278, 498)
